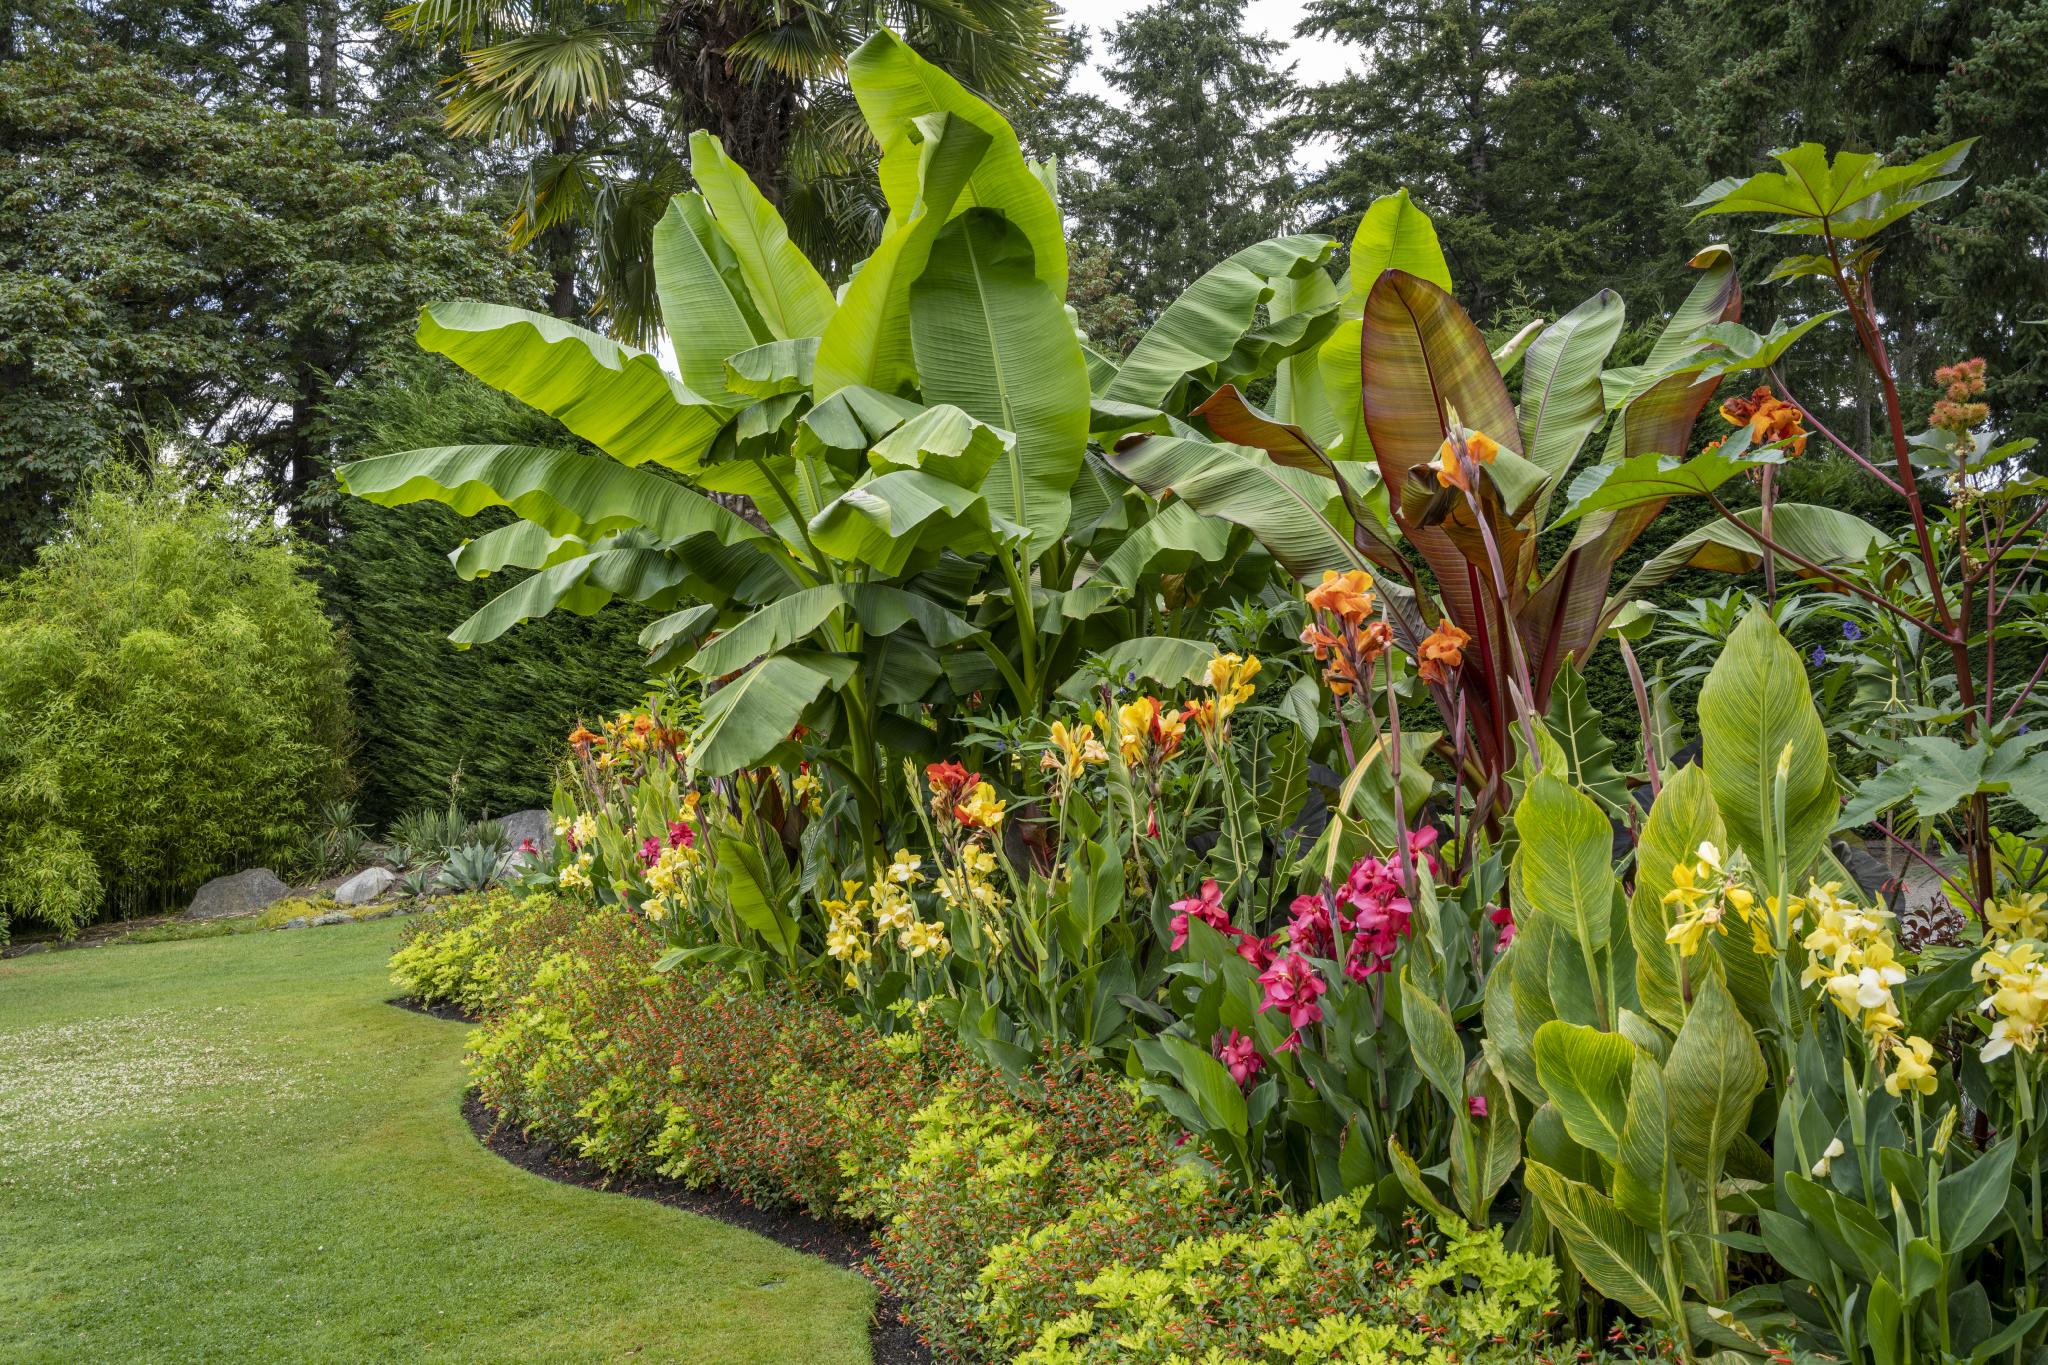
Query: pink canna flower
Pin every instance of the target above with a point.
(1240, 1054)
(1255, 950)
(1292, 986)
(1503, 916)
(528, 846)
(1311, 931)
(1476, 1106)
(650, 849)
(680, 835)
(1207, 907)
(1419, 844)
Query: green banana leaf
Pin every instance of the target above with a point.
(791, 297)
(615, 397)
(992, 338)
(702, 316)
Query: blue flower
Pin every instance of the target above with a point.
(1851, 631)
(1819, 657)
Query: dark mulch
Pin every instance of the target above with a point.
(891, 1340)
(444, 1010)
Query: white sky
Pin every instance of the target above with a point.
(1314, 60)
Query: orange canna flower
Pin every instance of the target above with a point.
(1451, 471)
(582, 739)
(1768, 417)
(1442, 653)
(1347, 595)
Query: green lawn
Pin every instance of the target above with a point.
(233, 1149)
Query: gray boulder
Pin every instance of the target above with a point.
(241, 893)
(333, 917)
(521, 825)
(365, 886)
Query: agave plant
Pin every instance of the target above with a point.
(1346, 474)
(927, 521)
(470, 867)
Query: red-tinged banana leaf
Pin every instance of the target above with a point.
(1420, 358)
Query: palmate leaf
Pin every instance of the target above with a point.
(1855, 196)
(1588, 752)
(1197, 334)
(1652, 479)
(1755, 711)
(787, 291)
(1733, 348)
(1936, 774)
(615, 397)
(561, 491)
(992, 338)
(1298, 517)
(749, 716)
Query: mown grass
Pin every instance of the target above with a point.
(233, 1149)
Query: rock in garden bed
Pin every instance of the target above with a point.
(239, 893)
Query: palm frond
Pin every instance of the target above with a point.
(535, 80)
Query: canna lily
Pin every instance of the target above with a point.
(1479, 448)
(1074, 750)
(981, 809)
(1146, 732)
(1912, 1068)
(1347, 596)
(1768, 417)
(1240, 1054)
(1206, 906)
(1442, 653)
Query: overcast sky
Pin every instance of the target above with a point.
(1314, 61)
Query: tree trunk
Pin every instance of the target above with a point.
(753, 118)
(293, 30)
(559, 242)
(330, 57)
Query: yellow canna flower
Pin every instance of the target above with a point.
(1912, 1068)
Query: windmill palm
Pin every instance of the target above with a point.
(606, 92)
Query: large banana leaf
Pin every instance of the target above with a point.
(1823, 535)
(619, 566)
(887, 521)
(565, 493)
(1200, 330)
(1423, 357)
(1715, 297)
(1299, 396)
(1393, 235)
(790, 295)
(1178, 537)
(992, 338)
(867, 341)
(1298, 517)
(615, 397)
(1561, 398)
(899, 92)
(521, 545)
(702, 317)
(748, 717)
(881, 610)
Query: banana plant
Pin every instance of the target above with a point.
(920, 518)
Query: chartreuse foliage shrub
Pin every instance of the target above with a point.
(171, 701)
(1044, 1216)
